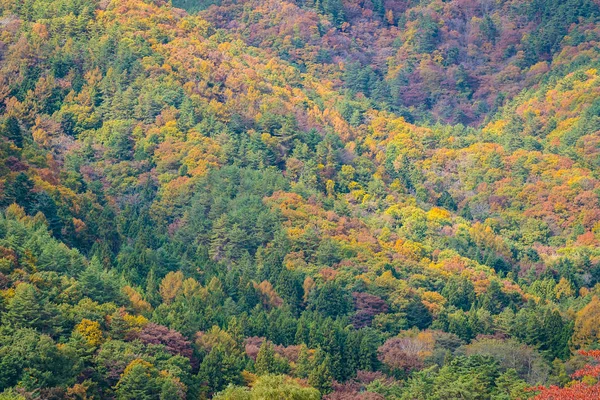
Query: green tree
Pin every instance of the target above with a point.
(460, 292)
(99, 284)
(265, 359)
(29, 309)
(271, 387)
(219, 369)
(320, 376)
(11, 129)
(303, 365)
(138, 382)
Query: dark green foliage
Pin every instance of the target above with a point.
(331, 300)
(20, 191)
(460, 293)
(218, 369)
(139, 382)
(417, 314)
(11, 130)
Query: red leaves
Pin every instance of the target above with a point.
(367, 306)
(579, 390)
(174, 342)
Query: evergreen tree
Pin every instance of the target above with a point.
(218, 369)
(265, 359)
(28, 308)
(139, 382)
(11, 129)
(417, 314)
(459, 292)
(100, 285)
(321, 377)
(303, 365)
(20, 191)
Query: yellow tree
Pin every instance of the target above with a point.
(587, 324)
(171, 285)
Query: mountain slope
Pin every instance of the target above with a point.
(196, 201)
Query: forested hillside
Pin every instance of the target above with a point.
(269, 199)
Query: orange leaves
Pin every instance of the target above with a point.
(268, 295)
(308, 285)
(433, 301)
(136, 300)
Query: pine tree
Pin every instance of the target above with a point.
(152, 295)
(219, 239)
(26, 309)
(367, 352)
(303, 365)
(265, 360)
(417, 314)
(20, 191)
(218, 369)
(100, 285)
(12, 131)
(321, 377)
(138, 382)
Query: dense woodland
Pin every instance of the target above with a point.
(299, 199)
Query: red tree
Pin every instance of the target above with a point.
(579, 390)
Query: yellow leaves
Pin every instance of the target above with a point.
(295, 232)
(438, 214)
(15, 212)
(450, 266)
(44, 129)
(388, 281)
(495, 128)
(218, 109)
(330, 187)
(191, 287)
(170, 286)
(202, 155)
(196, 26)
(215, 337)
(135, 321)
(574, 181)
(136, 362)
(8, 294)
(224, 47)
(433, 297)
(295, 260)
(249, 378)
(91, 331)
(563, 289)
(308, 285)
(268, 139)
(412, 250)
(385, 235)
(587, 324)
(170, 129)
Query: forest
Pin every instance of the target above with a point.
(299, 199)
